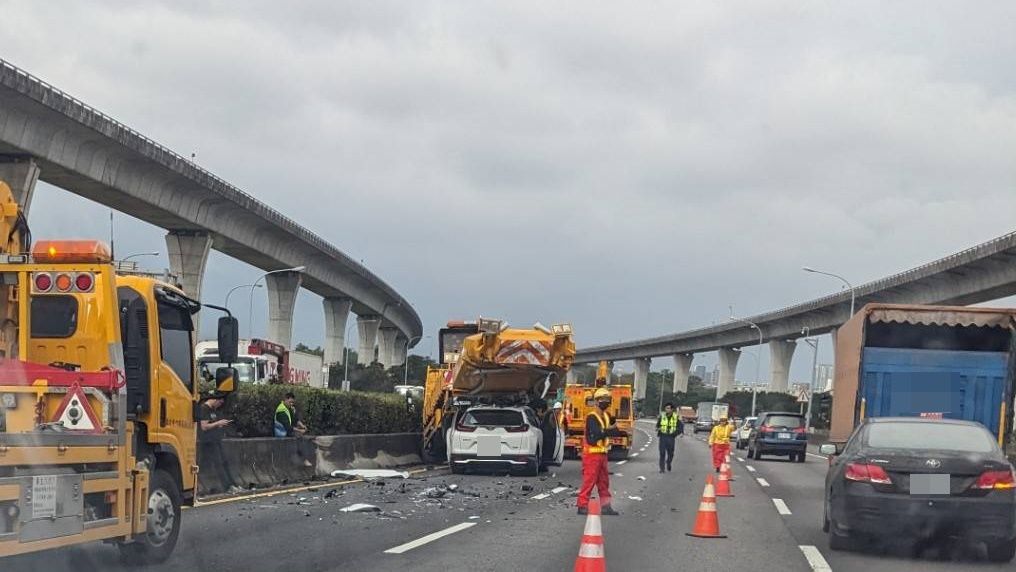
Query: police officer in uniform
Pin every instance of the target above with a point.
(668, 428)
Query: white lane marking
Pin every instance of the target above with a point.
(429, 538)
(762, 481)
(817, 456)
(781, 507)
(815, 559)
(750, 468)
(558, 490)
(622, 462)
(540, 496)
(634, 454)
(741, 459)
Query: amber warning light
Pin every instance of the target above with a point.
(93, 251)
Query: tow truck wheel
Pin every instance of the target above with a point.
(163, 523)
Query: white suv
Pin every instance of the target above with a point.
(504, 437)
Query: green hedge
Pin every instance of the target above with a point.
(325, 412)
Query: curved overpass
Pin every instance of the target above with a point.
(82, 150)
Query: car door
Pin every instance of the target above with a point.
(559, 442)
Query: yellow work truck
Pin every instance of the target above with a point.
(98, 398)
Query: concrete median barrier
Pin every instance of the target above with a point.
(266, 462)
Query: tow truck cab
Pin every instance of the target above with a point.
(98, 398)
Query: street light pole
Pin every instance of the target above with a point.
(842, 279)
(126, 258)
(235, 288)
(250, 310)
(813, 342)
(345, 356)
(409, 342)
(758, 361)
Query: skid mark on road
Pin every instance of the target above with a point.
(429, 538)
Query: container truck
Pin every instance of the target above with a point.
(98, 398)
(948, 362)
(708, 414)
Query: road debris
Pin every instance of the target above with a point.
(360, 507)
(634, 498)
(641, 478)
(371, 473)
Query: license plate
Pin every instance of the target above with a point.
(929, 484)
(785, 436)
(488, 446)
(43, 497)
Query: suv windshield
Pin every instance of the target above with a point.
(492, 418)
(788, 421)
(932, 436)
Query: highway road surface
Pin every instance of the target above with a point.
(435, 521)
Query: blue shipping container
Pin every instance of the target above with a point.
(931, 383)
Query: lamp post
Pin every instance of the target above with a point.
(250, 311)
(345, 358)
(842, 279)
(758, 361)
(409, 342)
(813, 342)
(235, 288)
(128, 257)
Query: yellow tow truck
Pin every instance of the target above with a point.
(98, 398)
(578, 402)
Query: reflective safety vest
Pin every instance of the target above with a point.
(720, 435)
(283, 409)
(603, 445)
(668, 425)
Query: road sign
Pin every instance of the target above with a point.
(803, 395)
(75, 413)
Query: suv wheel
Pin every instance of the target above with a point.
(1002, 551)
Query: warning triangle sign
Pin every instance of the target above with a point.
(75, 413)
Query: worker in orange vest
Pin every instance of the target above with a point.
(719, 441)
(595, 445)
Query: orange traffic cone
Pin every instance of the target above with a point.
(707, 522)
(591, 557)
(730, 471)
(723, 484)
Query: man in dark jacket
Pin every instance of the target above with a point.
(668, 428)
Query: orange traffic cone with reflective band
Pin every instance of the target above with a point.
(707, 522)
(730, 470)
(591, 557)
(723, 484)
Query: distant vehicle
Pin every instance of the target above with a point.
(778, 433)
(708, 414)
(743, 432)
(687, 414)
(922, 478)
(935, 362)
(501, 437)
(410, 390)
(262, 361)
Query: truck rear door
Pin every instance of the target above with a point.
(949, 384)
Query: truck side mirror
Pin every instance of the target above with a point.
(225, 379)
(228, 340)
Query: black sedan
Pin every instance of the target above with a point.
(922, 479)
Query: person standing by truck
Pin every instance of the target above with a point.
(212, 428)
(596, 445)
(668, 428)
(719, 441)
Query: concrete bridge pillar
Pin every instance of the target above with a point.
(401, 353)
(682, 367)
(728, 370)
(386, 346)
(641, 377)
(781, 352)
(282, 290)
(367, 326)
(336, 317)
(188, 253)
(570, 376)
(20, 174)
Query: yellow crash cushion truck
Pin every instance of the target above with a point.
(98, 399)
(578, 402)
(486, 361)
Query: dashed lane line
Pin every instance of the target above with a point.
(781, 507)
(815, 559)
(558, 490)
(622, 462)
(634, 454)
(740, 459)
(762, 481)
(750, 468)
(540, 496)
(429, 538)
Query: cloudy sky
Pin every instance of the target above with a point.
(633, 170)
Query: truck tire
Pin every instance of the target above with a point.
(164, 518)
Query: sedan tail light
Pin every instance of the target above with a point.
(863, 473)
(518, 428)
(996, 480)
(465, 428)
